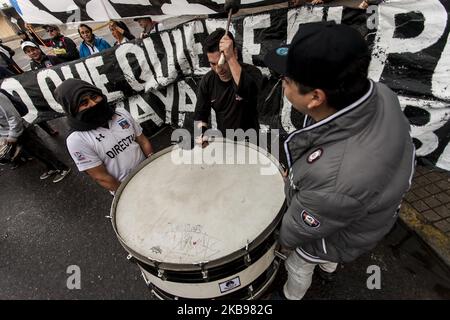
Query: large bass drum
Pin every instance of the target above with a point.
(201, 223)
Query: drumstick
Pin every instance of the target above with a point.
(31, 29)
(232, 6)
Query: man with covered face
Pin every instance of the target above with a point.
(106, 143)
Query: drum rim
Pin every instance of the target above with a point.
(201, 265)
(268, 277)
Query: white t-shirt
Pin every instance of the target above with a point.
(116, 148)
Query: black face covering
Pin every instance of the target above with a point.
(70, 93)
(96, 116)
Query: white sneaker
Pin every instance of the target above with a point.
(60, 175)
(48, 174)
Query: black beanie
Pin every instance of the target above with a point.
(69, 95)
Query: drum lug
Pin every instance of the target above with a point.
(248, 259)
(250, 291)
(130, 258)
(205, 275)
(204, 271)
(161, 273)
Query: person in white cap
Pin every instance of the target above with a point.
(39, 60)
(63, 47)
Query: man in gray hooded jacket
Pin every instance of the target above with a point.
(351, 163)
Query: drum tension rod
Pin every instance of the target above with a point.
(280, 255)
(250, 291)
(247, 259)
(147, 282)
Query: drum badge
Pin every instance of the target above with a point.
(309, 220)
(124, 124)
(229, 285)
(315, 155)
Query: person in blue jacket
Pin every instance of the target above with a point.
(91, 44)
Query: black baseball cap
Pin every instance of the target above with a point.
(318, 54)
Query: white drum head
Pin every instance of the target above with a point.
(192, 213)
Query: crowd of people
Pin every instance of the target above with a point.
(336, 208)
(22, 137)
(65, 48)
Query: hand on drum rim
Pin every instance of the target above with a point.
(284, 172)
(202, 140)
(286, 252)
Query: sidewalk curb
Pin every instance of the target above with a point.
(436, 239)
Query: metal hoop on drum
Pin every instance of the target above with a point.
(244, 273)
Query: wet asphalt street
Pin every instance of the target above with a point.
(47, 227)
